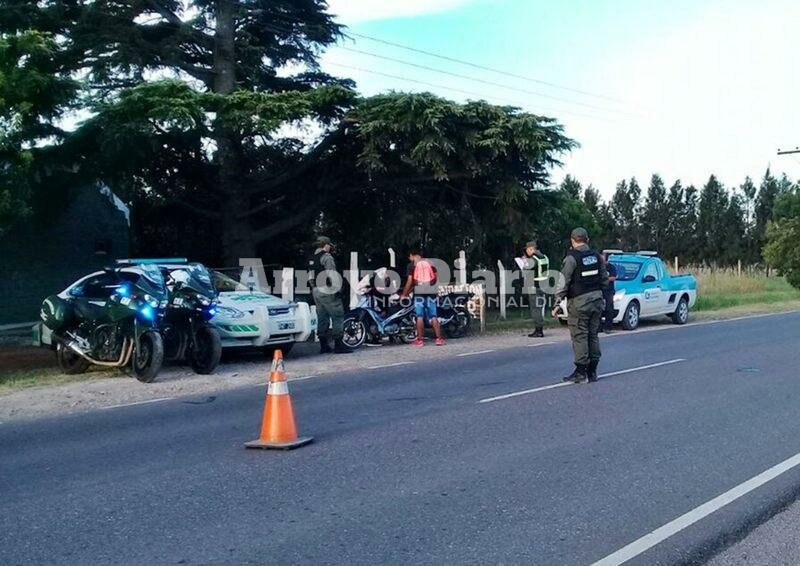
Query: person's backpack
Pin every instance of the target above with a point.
(424, 273)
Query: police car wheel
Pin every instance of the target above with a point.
(631, 318)
(681, 314)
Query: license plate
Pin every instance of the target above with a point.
(286, 326)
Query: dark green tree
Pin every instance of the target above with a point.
(624, 208)
(768, 191)
(711, 218)
(572, 187)
(35, 91)
(783, 233)
(655, 215)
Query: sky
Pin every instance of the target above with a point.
(684, 88)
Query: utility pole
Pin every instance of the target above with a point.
(789, 151)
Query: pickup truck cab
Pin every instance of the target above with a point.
(645, 289)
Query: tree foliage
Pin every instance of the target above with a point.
(783, 234)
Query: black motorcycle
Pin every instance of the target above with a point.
(110, 319)
(453, 314)
(185, 326)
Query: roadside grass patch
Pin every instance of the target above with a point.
(722, 289)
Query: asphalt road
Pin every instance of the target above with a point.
(408, 467)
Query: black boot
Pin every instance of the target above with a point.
(537, 333)
(340, 348)
(325, 346)
(578, 375)
(591, 371)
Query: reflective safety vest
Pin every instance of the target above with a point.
(586, 277)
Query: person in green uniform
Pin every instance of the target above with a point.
(330, 310)
(584, 278)
(536, 264)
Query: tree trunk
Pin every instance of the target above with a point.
(237, 233)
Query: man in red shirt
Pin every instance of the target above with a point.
(421, 276)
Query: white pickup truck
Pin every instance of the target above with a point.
(645, 289)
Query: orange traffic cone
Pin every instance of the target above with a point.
(278, 429)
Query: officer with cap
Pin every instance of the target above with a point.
(534, 264)
(330, 310)
(584, 279)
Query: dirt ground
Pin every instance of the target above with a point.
(104, 389)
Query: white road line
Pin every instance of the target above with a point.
(564, 384)
(136, 403)
(648, 366)
(543, 343)
(652, 538)
(390, 365)
(473, 353)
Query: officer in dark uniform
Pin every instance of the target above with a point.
(608, 296)
(584, 279)
(330, 310)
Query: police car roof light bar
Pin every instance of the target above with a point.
(150, 261)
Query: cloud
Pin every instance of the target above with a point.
(354, 11)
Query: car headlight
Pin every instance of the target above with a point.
(230, 312)
(619, 294)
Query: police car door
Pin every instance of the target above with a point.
(653, 295)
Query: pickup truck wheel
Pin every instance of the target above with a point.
(631, 318)
(681, 314)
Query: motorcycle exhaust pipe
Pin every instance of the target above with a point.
(127, 349)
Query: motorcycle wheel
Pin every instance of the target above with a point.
(354, 333)
(408, 330)
(69, 362)
(205, 358)
(459, 326)
(147, 358)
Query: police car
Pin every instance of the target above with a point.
(251, 318)
(645, 289)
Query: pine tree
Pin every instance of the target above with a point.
(654, 216)
(572, 187)
(711, 219)
(624, 209)
(768, 192)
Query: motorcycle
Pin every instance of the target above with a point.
(453, 314)
(377, 315)
(110, 319)
(185, 326)
(371, 321)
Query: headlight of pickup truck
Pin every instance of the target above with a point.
(618, 295)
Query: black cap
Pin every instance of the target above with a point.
(580, 234)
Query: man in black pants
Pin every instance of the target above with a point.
(608, 295)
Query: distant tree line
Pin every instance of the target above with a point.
(712, 225)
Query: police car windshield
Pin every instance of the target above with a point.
(627, 270)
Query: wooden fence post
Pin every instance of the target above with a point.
(287, 283)
(461, 273)
(739, 268)
(676, 265)
(502, 284)
(353, 278)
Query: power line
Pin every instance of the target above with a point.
(469, 92)
(283, 29)
(486, 68)
(490, 83)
